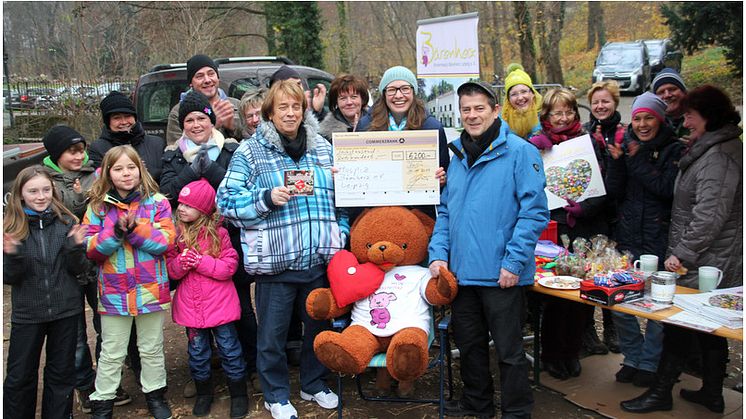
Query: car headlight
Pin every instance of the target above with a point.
(597, 74)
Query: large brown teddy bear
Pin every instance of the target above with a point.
(389, 295)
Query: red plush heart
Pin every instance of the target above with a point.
(350, 280)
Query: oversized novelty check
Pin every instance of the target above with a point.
(386, 168)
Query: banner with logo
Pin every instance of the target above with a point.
(448, 46)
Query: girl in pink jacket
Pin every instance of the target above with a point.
(206, 302)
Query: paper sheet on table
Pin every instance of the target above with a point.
(692, 321)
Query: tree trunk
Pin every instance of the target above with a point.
(525, 38)
(555, 14)
(596, 29)
(344, 58)
(498, 65)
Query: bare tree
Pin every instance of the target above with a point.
(551, 14)
(596, 29)
(525, 38)
(496, 45)
(344, 60)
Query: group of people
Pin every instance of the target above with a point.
(137, 224)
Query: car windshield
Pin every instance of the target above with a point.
(654, 48)
(155, 100)
(620, 56)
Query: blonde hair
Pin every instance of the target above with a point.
(15, 220)
(522, 122)
(103, 184)
(610, 86)
(251, 99)
(556, 97)
(188, 234)
(289, 88)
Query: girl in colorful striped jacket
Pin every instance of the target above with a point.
(129, 230)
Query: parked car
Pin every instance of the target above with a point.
(11, 99)
(662, 54)
(30, 96)
(124, 87)
(159, 90)
(625, 62)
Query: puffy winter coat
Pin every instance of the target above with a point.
(177, 171)
(643, 185)
(707, 215)
(42, 273)
(149, 147)
(492, 213)
(206, 296)
(132, 275)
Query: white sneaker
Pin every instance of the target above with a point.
(325, 398)
(281, 410)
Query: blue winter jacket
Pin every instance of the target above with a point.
(491, 214)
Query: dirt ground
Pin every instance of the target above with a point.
(548, 404)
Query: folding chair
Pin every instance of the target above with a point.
(442, 361)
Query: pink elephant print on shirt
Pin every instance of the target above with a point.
(380, 315)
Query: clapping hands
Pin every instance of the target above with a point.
(125, 223)
(77, 233)
(201, 162)
(189, 259)
(10, 244)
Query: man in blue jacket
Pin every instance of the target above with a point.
(491, 214)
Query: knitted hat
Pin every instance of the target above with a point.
(516, 76)
(397, 73)
(482, 86)
(59, 138)
(198, 195)
(284, 73)
(650, 103)
(116, 102)
(668, 75)
(195, 101)
(196, 63)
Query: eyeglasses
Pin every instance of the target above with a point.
(517, 93)
(391, 91)
(566, 114)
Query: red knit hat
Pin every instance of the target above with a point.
(199, 195)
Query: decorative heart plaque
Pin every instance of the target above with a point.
(571, 181)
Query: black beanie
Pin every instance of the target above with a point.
(59, 138)
(116, 102)
(195, 101)
(196, 63)
(284, 73)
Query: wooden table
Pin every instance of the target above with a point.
(574, 295)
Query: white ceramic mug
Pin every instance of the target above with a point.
(709, 278)
(646, 263)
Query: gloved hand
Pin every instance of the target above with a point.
(541, 142)
(598, 137)
(574, 211)
(619, 136)
(189, 259)
(200, 162)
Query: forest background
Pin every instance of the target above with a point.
(556, 42)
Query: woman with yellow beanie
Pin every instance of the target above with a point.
(522, 103)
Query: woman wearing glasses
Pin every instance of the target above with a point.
(399, 109)
(564, 321)
(522, 103)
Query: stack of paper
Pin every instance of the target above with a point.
(723, 306)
